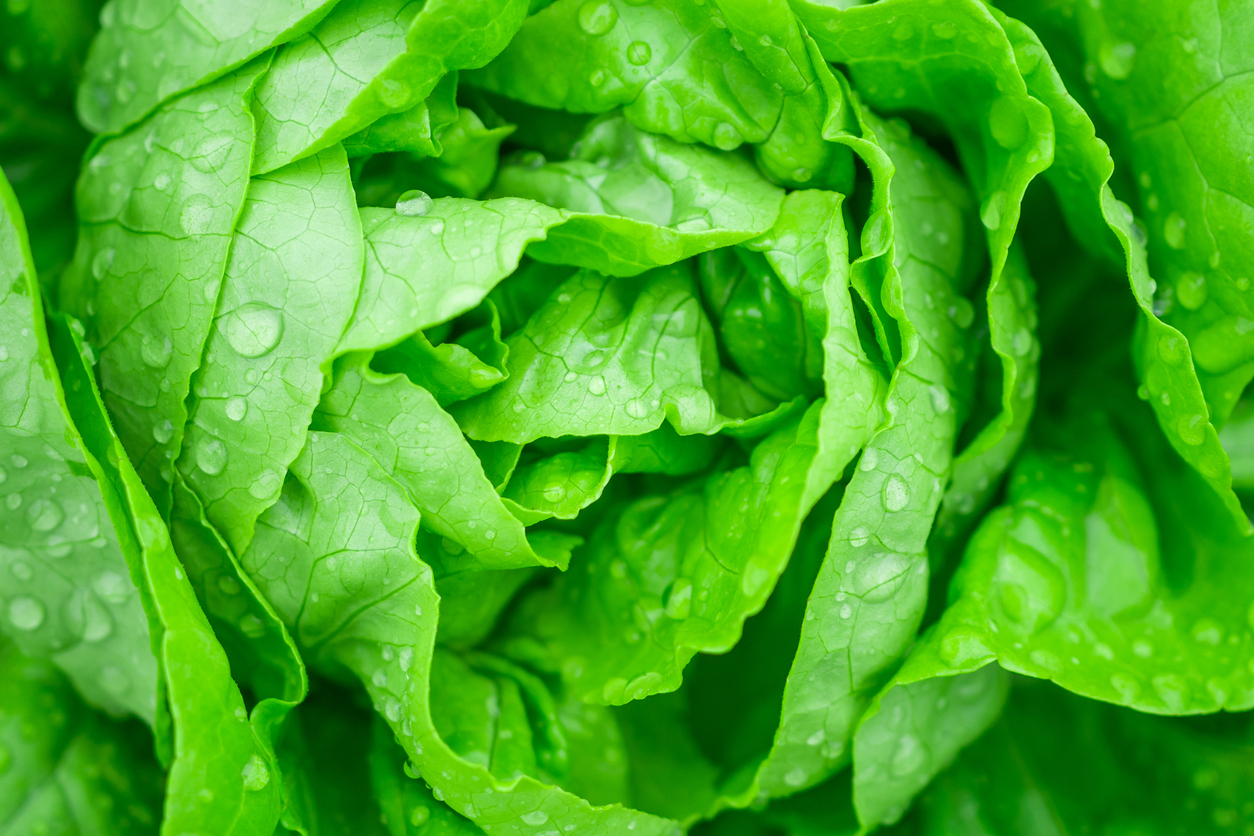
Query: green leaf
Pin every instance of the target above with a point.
(471, 245)
(68, 593)
(670, 575)
(415, 131)
(648, 58)
(357, 598)
(869, 593)
(1117, 772)
(646, 198)
(606, 356)
(148, 52)
(1163, 354)
(298, 242)
(1137, 579)
(157, 206)
(420, 445)
(368, 59)
(68, 769)
(1167, 86)
(204, 733)
(916, 726)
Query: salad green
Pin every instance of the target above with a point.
(434, 418)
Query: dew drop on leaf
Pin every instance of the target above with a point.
(1173, 231)
(597, 17)
(211, 455)
(1116, 59)
(156, 351)
(26, 614)
(255, 774)
(163, 432)
(252, 626)
(639, 53)
(992, 209)
(896, 493)
(196, 214)
(1192, 429)
(45, 515)
(253, 329)
(414, 204)
(102, 262)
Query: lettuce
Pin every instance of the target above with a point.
(625, 416)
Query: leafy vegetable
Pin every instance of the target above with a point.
(625, 416)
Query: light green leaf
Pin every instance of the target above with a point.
(149, 51)
(298, 243)
(367, 59)
(157, 206)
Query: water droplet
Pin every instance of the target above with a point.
(869, 459)
(992, 209)
(1142, 648)
(962, 312)
(211, 455)
(255, 774)
(197, 214)
(163, 432)
(13, 501)
(1192, 429)
(419, 815)
(535, 817)
(1027, 588)
(940, 399)
(1022, 342)
(1116, 59)
(1191, 290)
(414, 204)
(266, 486)
(1173, 231)
(1127, 687)
(236, 409)
(726, 137)
(102, 262)
(253, 329)
(795, 777)
(597, 17)
(21, 571)
(859, 536)
(97, 623)
(1008, 123)
(1171, 347)
(1208, 631)
(597, 385)
(26, 614)
(252, 626)
(156, 352)
(678, 599)
(903, 32)
(896, 493)
(228, 585)
(394, 93)
(162, 182)
(639, 53)
(909, 757)
(1172, 690)
(45, 514)
(946, 30)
